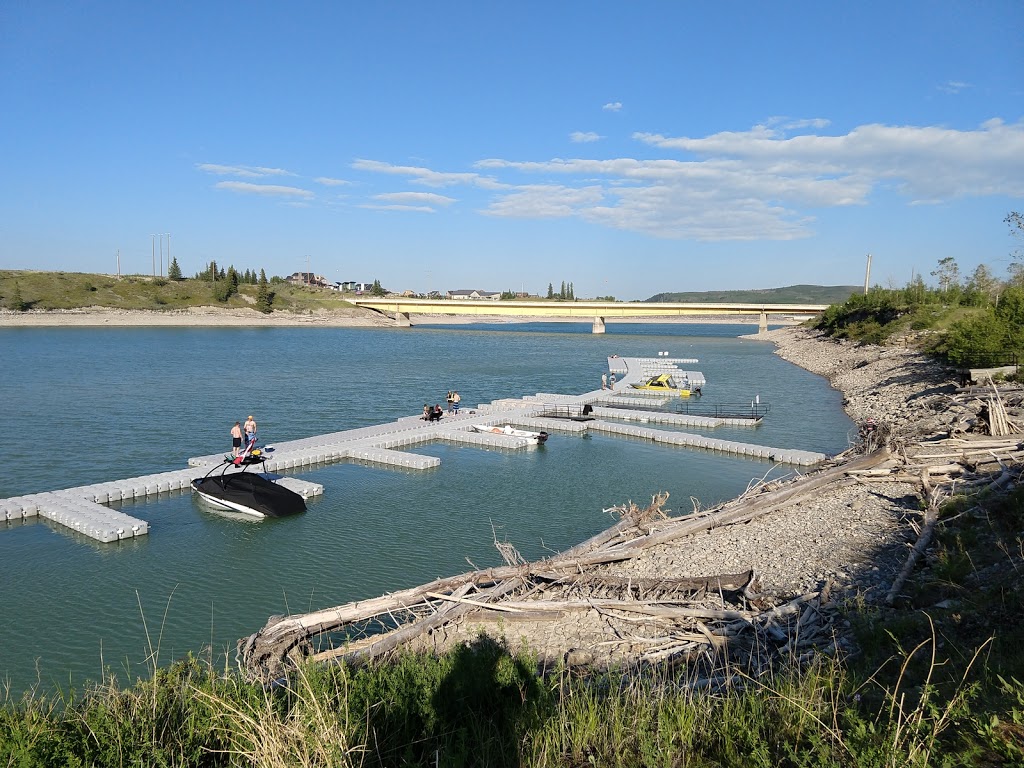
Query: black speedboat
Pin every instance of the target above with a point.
(247, 492)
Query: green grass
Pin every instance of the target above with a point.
(929, 702)
(75, 290)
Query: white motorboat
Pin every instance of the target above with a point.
(537, 438)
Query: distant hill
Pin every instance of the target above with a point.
(792, 294)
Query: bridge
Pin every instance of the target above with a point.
(598, 311)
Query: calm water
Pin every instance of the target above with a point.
(90, 405)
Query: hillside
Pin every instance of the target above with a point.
(40, 290)
(792, 294)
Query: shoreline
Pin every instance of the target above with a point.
(356, 317)
(831, 537)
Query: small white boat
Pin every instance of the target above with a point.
(534, 437)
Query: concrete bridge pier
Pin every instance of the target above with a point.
(402, 319)
(762, 323)
(598, 325)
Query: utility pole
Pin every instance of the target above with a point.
(162, 234)
(118, 263)
(867, 275)
(154, 254)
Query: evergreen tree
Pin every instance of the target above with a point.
(233, 277)
(174, 271)
(264, 296)
(572, 293)
(377, 290)
(561, 293)
(551, 291)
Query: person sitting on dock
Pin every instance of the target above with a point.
(427, 413)
(435, 415)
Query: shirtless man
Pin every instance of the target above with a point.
(236, 438)
(250, 429)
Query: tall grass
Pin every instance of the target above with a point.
(480, 705)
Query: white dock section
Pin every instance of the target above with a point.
(84, 509)
(779, 455)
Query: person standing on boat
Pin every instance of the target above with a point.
(250, 429)
(236, 438)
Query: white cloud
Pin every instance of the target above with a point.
(273, 190)
(612, 106)
(953, 87)
(409, 208)
(419, 175)
(329, 182)
(405, 198)
(765, 182)
(579, 137)
(246, 171)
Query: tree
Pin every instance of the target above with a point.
(264, 296)
(174, 271)
(948, 273)
(984, 285)
(377, 289)
(508, 295)
(551, 291)
(1016, 223)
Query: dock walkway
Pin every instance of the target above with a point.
(84, 509)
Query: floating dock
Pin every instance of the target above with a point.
(84, 509)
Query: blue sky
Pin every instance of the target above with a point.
(629, 148)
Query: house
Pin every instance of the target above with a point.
(472, 294)
(351, 286)
(307, 278)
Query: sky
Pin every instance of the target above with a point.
(628, 148)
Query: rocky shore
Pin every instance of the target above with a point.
(852, 537)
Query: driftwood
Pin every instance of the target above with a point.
(931, 519)
(370, 628)
(650, 619)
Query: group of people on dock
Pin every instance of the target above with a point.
(248, 430)
(434, 413)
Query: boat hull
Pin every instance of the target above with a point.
(248, 493)
(536, 438)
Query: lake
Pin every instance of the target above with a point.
(85, 405)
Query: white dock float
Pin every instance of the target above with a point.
(391, 458)
(779, 455)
